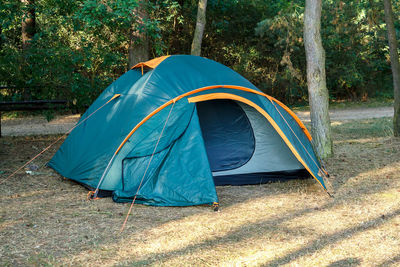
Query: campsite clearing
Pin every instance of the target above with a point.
(45, 219)
(37, 125)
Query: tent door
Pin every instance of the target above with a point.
(227, 133)
(242, 146)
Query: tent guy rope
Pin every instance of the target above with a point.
(323, 172)
(147, 167)
(58, 139)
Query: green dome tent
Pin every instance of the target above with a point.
(172, 128)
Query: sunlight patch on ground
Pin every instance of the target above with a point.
(373, 141)
(336, 123)
(198, 230)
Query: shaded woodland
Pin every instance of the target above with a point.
(74, 49)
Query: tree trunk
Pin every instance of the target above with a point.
(394, 61)
(318, 93)
(200, 25)
(1, 41)
(28, 27)
(28, 23)
(138, 50)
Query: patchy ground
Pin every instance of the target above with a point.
(37, 125)
(352, 113)
(45, 219)
(61, 124)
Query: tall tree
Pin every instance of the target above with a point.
(139, 43)
(200, 25)
(394, 61)
(1, 37)
(28, 23)
(316, 80)
(28, 26)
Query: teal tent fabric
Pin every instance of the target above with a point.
(179, 172)
(179, 175)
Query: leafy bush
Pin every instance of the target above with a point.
(82, 46)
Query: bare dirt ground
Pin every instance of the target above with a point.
(38, 125)
(45, 219)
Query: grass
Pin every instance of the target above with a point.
(345, 104)
(45, 219)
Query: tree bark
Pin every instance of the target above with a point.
(28, 30)
(200, 25)
(138, 50)
(316, 80)
(1, 42)
(394, 62)
(28, 23)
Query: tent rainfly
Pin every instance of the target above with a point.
(170, 129)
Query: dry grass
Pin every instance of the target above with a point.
(45, 220)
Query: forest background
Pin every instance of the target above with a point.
(77, 48)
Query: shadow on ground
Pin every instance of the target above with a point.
(45, 218)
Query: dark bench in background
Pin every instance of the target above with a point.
(31, 105)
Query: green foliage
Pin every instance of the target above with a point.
(82, 46)
(354, 42)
